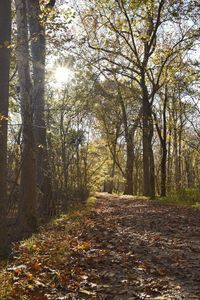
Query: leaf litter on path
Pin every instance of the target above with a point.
(122, 248)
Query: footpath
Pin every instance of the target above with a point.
(121, 248)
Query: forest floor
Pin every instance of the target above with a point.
(120, 248)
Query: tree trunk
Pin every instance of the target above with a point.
(5, 38)
(27, 206)
(164, 147)
(111, 180)
(129, 170)
(151, 157)
(176, 160)
(38, 60)
(114, 154)
(37, 32)
(163, 171)
(188, 170)
(169, 156)
(148, 159)
(163, 144)
(129, 137)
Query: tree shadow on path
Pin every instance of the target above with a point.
(141, 250)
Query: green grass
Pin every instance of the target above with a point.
(188, 197)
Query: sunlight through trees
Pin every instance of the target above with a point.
(96, 96)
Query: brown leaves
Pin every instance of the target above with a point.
(35, 266)
(123, 249)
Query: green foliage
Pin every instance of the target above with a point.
(30, 243)
(91, 200)
(189, 197)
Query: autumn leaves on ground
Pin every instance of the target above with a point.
(119, 248)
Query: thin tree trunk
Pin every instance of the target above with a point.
(148, 159)
(176, 159)
(111, 181)
(163, 172)
(129, 137)
(164, 148)
(188, 170)
(180, 133)
(163, 144)
(151, 158)
(129, 169)
(169, 156)
(27, 206)
(5, 38)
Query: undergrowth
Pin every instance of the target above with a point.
(188, 197)
(50, 247)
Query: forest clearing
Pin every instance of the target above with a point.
(119, 248)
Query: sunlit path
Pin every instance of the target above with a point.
(121, 248)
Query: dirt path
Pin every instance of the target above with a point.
(125, 249)
(139, 250)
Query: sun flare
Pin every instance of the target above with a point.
(63, 75)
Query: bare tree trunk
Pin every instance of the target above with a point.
(27, 206)
(180, 132)
(129, 167)
(5, 38)
(188, 170)
(63, 149)
(111, 181)
(164, 148)
(38, 59)
(176, 159)
(151, 158)
(169, 156)
(148, 159)
(37, 32)
(163, 144)
(129, 137)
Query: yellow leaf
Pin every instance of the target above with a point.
(29, 276)
(83, 246)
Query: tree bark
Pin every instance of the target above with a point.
(28, 194)
(129, 168)
(5, 38)
(112, 175)
(129, 138)
(169, 156)
(38, 43)
(148, 159)
(38, 60)
(162, 134)
(164, 148)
